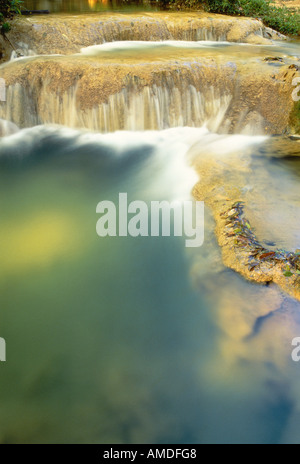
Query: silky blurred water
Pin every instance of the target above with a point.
(123, 340)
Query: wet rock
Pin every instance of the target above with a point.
(269, 33)
(274, 59)
(247, 30)
(281, 147)
(5, 50)
(255, 39)
(80, 91)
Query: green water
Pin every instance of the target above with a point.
(124, 340)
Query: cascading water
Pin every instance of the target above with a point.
(138, 86)
(67, 34)
(141, 340)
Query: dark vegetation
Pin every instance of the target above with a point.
(282, 19)
(8, 8)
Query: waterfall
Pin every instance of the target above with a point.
(7, 128)
(91, 92)
(152, 108)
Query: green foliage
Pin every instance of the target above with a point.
(5, 28)
(224, 6)
(283, 20)
(280, 18)
(8, 8)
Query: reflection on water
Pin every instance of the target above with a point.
(125, 340)
(277, 220)
(83, 6)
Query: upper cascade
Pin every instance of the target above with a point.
(61, 34)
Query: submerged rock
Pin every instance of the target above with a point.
(282, 147)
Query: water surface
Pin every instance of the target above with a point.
(123, 340)
(86, 6)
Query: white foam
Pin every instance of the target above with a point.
(7, 128)
(169, 172)
(147, 45)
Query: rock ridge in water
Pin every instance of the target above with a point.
(224, 187)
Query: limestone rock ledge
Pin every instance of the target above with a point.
(241, 96)
(61, 34)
